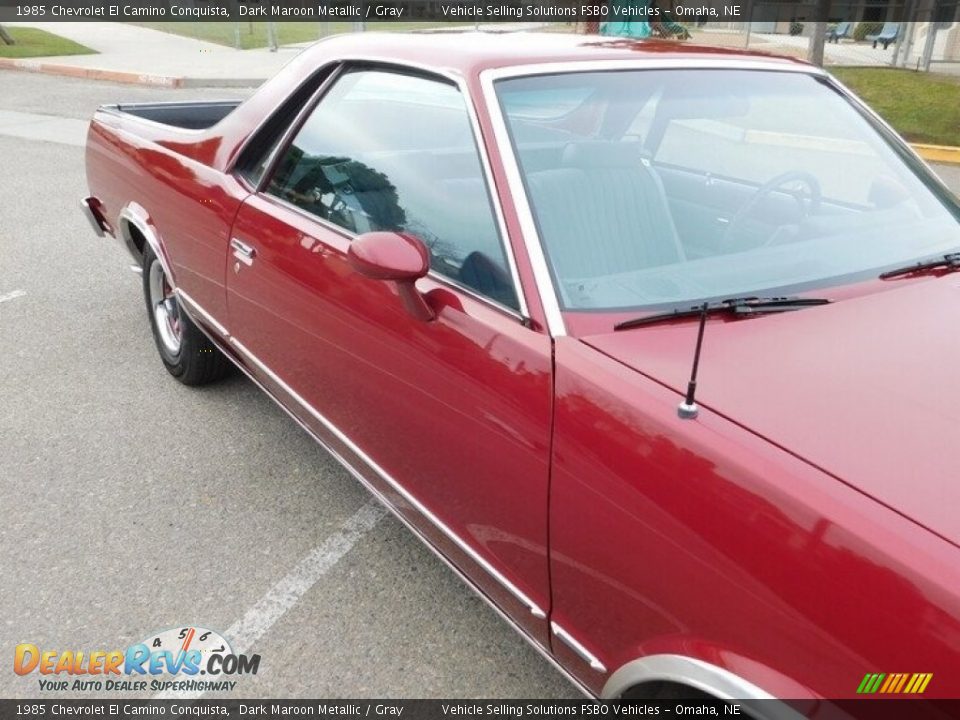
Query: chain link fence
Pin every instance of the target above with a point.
(916, 34)
(260, 34)
(255, 33)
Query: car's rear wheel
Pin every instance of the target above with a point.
(185, 351)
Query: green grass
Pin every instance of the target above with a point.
(923, 107)
(254, 34)
(30, 43)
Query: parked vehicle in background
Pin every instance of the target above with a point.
(475, 267)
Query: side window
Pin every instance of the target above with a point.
(391, 151)
(257, 154)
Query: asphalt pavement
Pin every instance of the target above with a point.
(950, 174)
(130, 504)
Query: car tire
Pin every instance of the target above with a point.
(185, 351)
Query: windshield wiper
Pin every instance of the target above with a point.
(950, 261)
(733, 306)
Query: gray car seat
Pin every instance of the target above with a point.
(603, 211)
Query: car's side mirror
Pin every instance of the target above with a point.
(398, 257)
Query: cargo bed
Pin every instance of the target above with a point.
(185, 115)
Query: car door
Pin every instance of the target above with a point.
(448, 419)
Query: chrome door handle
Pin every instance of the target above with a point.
(243, 252)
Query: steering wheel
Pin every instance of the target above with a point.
(812, 206)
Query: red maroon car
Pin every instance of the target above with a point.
(481, 269)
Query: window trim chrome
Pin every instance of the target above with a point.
(432, 274)
(230, 167)
(649, 63)
(522, 313)
(329, 72)
(528, 229)
(531, 236)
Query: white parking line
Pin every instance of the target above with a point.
(285, 593)
(12, 295)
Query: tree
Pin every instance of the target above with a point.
(817, 42)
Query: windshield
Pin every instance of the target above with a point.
(653, 189)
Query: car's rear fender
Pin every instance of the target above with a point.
(138, 230)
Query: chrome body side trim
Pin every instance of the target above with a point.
(674, 668)
(128, 218)
(579, 649)
(531, 237)
(534, 609)
(193, 308)
(91, 217)
(349, 467)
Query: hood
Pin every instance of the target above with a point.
(867, 388)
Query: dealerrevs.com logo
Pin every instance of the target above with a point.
(184, 653)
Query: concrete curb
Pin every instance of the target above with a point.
(120, 76)
(939, 153)
(38, 66)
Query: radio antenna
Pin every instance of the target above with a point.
(688, 409)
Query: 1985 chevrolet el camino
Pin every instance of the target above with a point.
(482, 270)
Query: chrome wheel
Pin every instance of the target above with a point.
(186, 352)
(166, 312)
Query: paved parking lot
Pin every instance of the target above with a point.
(131, 504)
